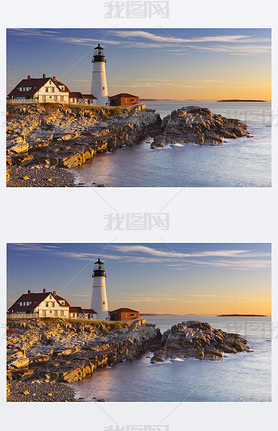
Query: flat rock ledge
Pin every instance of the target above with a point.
(198, 125)
(193, 339)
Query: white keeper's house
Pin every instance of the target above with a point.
(47, 304)
(47, 90)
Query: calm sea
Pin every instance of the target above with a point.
(239, 163)
(240, 377)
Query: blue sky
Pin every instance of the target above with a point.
(204, 64)
(159, 278)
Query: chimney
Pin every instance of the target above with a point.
(29, 291)
(43, 290)
(54, 292)
(28, 76)
(44, 75)
(54, 78)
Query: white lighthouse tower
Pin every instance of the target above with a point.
(99, 297)
(99, 85)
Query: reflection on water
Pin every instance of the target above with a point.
(244, 162)
(240, 377)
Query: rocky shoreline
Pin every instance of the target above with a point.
(44, 142)
(43, 355)
(41, 137)
(43, 351)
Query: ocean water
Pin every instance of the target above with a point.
(243, 162)
(235, 378)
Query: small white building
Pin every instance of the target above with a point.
(45, 304)
(40, 90)
(82, 313)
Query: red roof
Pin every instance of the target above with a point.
(59, 298)
(75, 94)
(81, 310)
(35, 299)
(75, 310)
(60, 83)
(123, 95)
(88, 96)
(124, 310)
(89, 311)
(35, 84)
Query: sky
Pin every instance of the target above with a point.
(178, 64)
(151, 278)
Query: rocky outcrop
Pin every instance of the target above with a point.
(193, 339)
(66, 351)
(65, 136)
(198, 125)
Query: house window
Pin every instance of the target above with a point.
(55, 98)
(55, 312)
(62, 312)
(46, 304)
(62, 98)
(46, 89)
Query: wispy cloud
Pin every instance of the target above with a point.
(172, 39)
(168, 253)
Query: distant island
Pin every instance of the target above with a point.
(241, 315)
(241, 100)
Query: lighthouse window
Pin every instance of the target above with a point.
(103, 88)
(103, 302)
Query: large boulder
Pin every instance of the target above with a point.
(198, 125)
(198, 340)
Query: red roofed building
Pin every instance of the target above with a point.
(124, 314)
(45, 304)
(123, 99)
(48, 304)
(40, 90)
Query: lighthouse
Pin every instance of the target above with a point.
(99, 85)
(99, 297)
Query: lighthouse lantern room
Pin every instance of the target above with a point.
(99, 85)
(99, 297)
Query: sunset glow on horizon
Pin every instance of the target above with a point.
(151, 278)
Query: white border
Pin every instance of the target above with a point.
(196, 215)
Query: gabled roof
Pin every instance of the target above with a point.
(35, 84)
(123, 95)
(59, 298)
(35, 299)
(60, 83)
(124, 310)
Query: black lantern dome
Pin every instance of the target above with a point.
(98, 54)
(99, 270)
